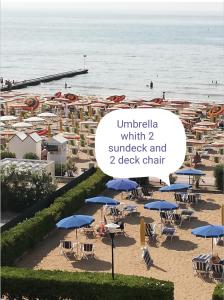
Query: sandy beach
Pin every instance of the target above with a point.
(171, 260)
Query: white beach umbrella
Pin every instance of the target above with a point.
(47, 115)
(2, 124)
(34, 119)
(22, 125)
(7, 118)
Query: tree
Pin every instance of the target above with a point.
(30, 155)
(21, 188)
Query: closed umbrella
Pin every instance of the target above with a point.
(142, 232)
(34, 120)
(209, 231)
(102, 200)
(121, 184)
(47, 115)
(22, 125)
(175, 187)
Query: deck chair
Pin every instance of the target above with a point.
(165, 217)
(217, 272)
(146, 192)
(150, 231)
(192, 199)
(168, 232)
(177, 219)
(89, 231)
(115, 213)
(200, 265)
(178, 197)
(136, 195)
(66, 248)
(87, 250)
(120, 230)
(147, 258)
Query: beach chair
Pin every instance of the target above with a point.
(115, 213)
(147, 258)
(168, 232)
(66, 248)
(177, 219)
(89, 231)
(120, 230)
(136, 195)
(146, 192)
(150, 231)
(87, 250)
(192, 199)
(165, 217)
(179, 198)
(200, 265)
(217, 272)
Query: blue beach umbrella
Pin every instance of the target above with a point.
(121, 184)
(75, 222)
(102, 200)
(161, 205)
(190, 172)
(175, 187)
(209, 231)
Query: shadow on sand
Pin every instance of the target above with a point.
(179, 245)
(120, 241)
(92, 264)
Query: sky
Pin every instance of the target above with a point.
(158, 7)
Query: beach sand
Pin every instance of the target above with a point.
(172, 260)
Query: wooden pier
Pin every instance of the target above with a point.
(31, 82)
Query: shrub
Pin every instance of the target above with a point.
(219, 176)
(172, 178)
(30, 155)
(7, 154)
(25, 235)
(218, 293)
(21, 188)
(37, 284)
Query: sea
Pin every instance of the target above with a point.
(182, 56)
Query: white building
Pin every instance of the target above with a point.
(22, 143)
(57, 149)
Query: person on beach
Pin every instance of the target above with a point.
(164, 95)
(215, 259)
(151, 85)
(66, 85)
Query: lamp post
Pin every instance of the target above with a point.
(112, 228)
(84, 61)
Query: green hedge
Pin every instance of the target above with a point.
(218, 293)
(52, 285)
(25, 235)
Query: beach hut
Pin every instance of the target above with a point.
(57, 149)
(22, 143)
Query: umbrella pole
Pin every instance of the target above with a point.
(212, 246)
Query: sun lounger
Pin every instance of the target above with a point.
(193, 198)
(179, 197)
(147, 258)
(115, 213)
(129, 210)
(187, 214)
(168, 232)
(87, 250)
